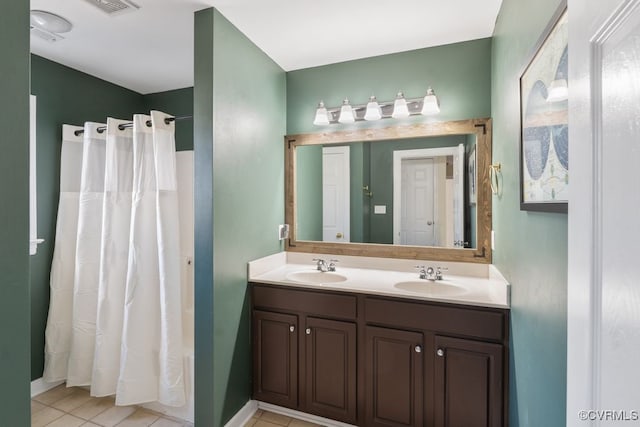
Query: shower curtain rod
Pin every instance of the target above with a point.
(124, 126)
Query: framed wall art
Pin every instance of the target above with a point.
(544, 124)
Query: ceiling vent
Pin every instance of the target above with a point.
(114, 7)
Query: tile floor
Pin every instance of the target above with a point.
(73, 407)
(269, 419)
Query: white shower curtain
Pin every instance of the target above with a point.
(124, 334)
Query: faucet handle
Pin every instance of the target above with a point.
(439, 271)
(332, 264)
(423, 271)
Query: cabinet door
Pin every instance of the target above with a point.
(330, 361)
(275, 358)
(468, 383)
(394, 377)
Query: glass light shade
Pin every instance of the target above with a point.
(558, 91)
(347, 114)
(430, 104)
(50, 22)
(400, 109)
(374, 112)
(322, 116)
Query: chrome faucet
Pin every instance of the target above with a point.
(321, 265)
(429, 273)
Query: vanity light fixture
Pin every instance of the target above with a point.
(322, 117)
(374, 112)
(347, 115)
(558, 90)
(399, 108)
(430, 104)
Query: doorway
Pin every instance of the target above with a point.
(428, 196)
(336, 217)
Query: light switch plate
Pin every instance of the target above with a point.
(380, 209)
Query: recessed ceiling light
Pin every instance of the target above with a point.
(50, 22)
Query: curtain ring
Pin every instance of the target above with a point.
(493, 177)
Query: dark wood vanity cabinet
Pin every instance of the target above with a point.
(275, 372)
(394, 375)
(377, 361)
(311, 368)
(330, 369)
(468, 383)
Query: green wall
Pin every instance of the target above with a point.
(459, 73)
(240, 111)
(65, 95)
(309, 192)
(203, 201)
(178, 103)
(531, 248)
(14, 214)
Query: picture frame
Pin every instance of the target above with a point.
(472, 176)
(544, 124)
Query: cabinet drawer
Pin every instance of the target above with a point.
(319, 303)
(484, 324)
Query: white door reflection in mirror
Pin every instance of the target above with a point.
(418, 194)
(335, 194)
(428, 193)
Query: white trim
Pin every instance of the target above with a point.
(589, 32)
(33, 194)
(398, 157)
(243, 416)
(39, 386)
(301, 415)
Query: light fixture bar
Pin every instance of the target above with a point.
(400, 108)
(414, 105)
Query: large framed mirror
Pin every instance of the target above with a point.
(419, 191)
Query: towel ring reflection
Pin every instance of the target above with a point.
(494, 170)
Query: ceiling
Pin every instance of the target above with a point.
(151, 50)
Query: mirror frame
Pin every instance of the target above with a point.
(481, 254)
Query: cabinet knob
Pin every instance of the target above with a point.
(440, 352)
(418, 349)
(292, 328)
(308, 331)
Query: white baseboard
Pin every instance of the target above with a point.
(39, 386)
(243, 415)
(301, 415)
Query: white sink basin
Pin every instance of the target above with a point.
(316, 277)
(435, 288)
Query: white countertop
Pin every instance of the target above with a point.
(479, 285)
